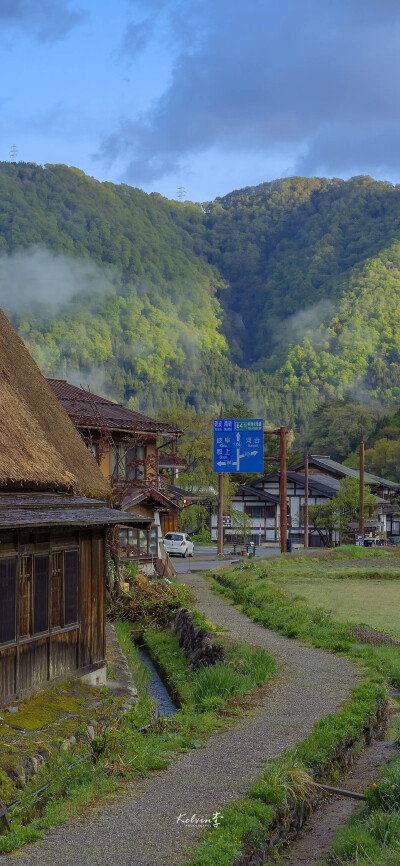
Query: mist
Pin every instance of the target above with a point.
(37, 277)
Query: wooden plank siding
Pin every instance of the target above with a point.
(61, 650)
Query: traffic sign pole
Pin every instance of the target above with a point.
(361, 503)
(283, 488)
(306, 501)
(220, 543)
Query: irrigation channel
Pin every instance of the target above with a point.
(157, 689)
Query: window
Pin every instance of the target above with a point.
(71, 563)
(129, 538)
(57, 590)
(25, 597)
(8, 574)
(135, 466)
(127, 462)
(153, 541)
(41, 594)
(260, 511)
(143, 541)
(94, 448)
(133, 538)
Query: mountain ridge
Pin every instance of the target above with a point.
(282, 295)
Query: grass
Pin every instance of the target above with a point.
(373, 833)
(245, 668)
(119, 752)
(264, 591)
(368, 592)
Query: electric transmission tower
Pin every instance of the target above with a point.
(181, 193)
(13, 153)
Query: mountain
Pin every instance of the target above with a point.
(283, 295)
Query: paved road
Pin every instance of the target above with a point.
(141, 828)
(206, 557)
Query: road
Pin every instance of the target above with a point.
(206, 557)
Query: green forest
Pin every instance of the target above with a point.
(285, 296)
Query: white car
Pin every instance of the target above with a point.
(179, 543)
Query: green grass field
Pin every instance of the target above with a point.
(375, 603)
(360, 587)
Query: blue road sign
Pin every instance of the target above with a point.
(238, 445)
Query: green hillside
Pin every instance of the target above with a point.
(282, 295)
(153, 335)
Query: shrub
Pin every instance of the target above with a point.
(150, 602)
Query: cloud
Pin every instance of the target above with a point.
(137, 37)
(323, 79)
(47, 20)
(37, 276)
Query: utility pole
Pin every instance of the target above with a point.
(306, 501)
(220, 541)
(361, 502)
(283, 487)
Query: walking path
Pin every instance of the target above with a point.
(141, 829)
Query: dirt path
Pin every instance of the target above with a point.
(141, 828)
(315, 839)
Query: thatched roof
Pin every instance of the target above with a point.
(39, 446)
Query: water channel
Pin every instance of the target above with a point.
(157, 689)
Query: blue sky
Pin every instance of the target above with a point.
(211, 95)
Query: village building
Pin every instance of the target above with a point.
(260, 501)
(137, 455)
(54, 520)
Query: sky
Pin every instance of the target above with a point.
(208, 95)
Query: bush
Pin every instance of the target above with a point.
(150, 602)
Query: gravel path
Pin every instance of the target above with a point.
(141, 829)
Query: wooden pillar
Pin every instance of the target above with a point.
(361, 498)
(283, 488)
(306, 501)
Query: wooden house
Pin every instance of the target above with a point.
(259, 499)
(54, 519)
(135, 453)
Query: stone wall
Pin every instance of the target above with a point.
(196, 641)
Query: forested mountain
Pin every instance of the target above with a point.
(282, 295)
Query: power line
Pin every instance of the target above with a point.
(13, 153)
(181, 193)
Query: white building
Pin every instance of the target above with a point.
(260, 501)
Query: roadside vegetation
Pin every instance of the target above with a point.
(372, 836)
(209, 699)
(264, 591)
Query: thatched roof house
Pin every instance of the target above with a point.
(40, 449)
(53, 537)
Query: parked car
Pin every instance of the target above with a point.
(178, 543)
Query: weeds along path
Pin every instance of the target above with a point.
(141, 829)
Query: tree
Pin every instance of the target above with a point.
(334, 428)
(337, 513)
(241, 525)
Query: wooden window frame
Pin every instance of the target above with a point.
(39, 631)
(53, 571)
(14, 557)
(21, 558)
(74, 622)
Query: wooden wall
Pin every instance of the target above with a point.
(28, 664)
(169, 523)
